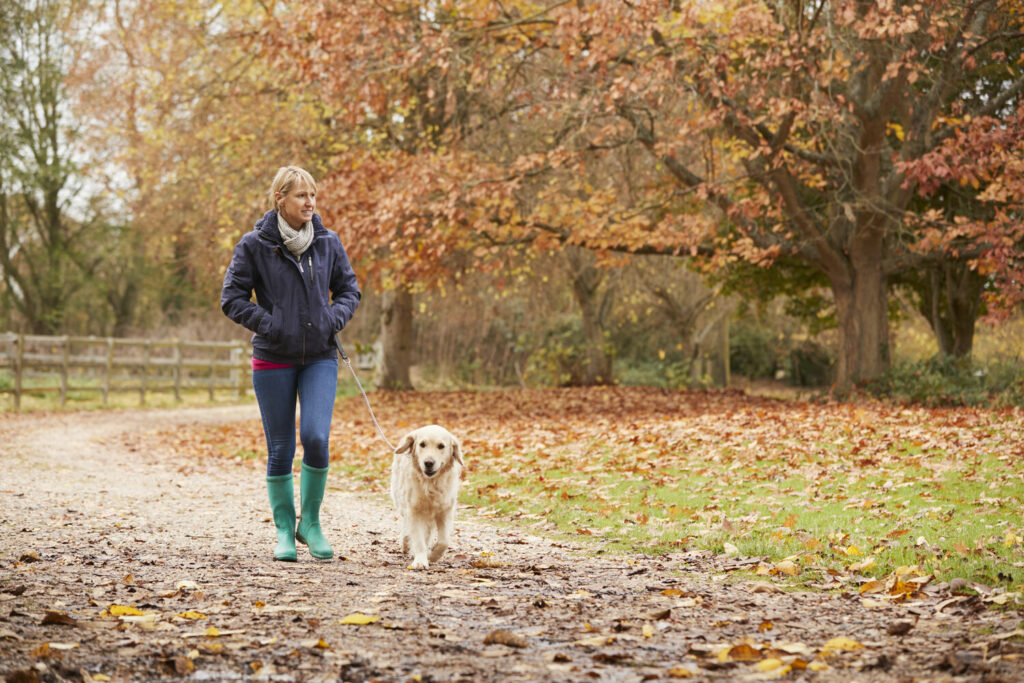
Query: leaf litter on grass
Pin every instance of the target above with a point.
(846, 494)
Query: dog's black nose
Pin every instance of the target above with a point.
(428, 465)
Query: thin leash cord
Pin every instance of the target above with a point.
(345, 359)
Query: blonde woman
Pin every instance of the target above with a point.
(306, 292)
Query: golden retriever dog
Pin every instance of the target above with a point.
(425, 474)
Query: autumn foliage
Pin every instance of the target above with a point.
(762, 132)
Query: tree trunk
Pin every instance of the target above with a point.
(396, 339)
(949, 298)
(859, 290)
(593, 303)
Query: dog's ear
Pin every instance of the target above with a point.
(407, 442)
(457, 452)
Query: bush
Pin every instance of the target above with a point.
(810, 365)
(948, 381)
(673, 373)
(753, 352)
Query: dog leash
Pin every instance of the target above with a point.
(346, 361)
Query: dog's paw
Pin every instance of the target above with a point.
(419, 563)
(436, 552)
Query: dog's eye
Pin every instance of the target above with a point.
(423, 444)
(440, 446)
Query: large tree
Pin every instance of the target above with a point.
(45, 218)
(807, 126)
(405, 90)
(197, 119)
(826, 104)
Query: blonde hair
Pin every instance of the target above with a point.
(286, 178)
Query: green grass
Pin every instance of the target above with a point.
(900, 515)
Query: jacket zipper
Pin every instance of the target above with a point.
(305, 333)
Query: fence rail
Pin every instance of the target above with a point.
(37, 363)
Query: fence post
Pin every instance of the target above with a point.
(107, 370)
(213, 371)
(19, 364)
(145, 373)
(177, 369)
(65, 341)
(244, 368)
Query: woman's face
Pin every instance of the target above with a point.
(298, 205)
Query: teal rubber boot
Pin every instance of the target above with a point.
(282, 505)
(311, 490)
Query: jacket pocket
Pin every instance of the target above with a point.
(321, 332)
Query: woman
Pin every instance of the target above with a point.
(306, 293)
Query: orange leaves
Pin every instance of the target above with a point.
(905, 583)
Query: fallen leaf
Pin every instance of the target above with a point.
(124, 611)
(648, 631)
(358, 619)
(680, 672)
(506, 638)
(730, 549)
(764, 587)
(787, 567)
(595, 641)
(184, 665)
(899, 628)
(28, 557)
(874, 586)
(743, 652)
(146, 621)
(863, 565)
(840, 644)
(486, 563)
(191, 614)
(1019, 633)
(58, 618)
(770, 664)
(794, 649)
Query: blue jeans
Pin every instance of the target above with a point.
(276, 390)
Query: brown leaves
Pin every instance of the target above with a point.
(58, 618)
(507, 638)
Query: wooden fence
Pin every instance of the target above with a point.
(35, 363)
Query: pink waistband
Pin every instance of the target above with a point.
(258, 364)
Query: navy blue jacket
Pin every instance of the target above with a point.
(299, 307)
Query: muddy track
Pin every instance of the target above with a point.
(91, 525)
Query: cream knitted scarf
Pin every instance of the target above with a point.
(297, 241)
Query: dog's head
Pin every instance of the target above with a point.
(433, 449)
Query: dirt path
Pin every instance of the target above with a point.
(88, 523)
